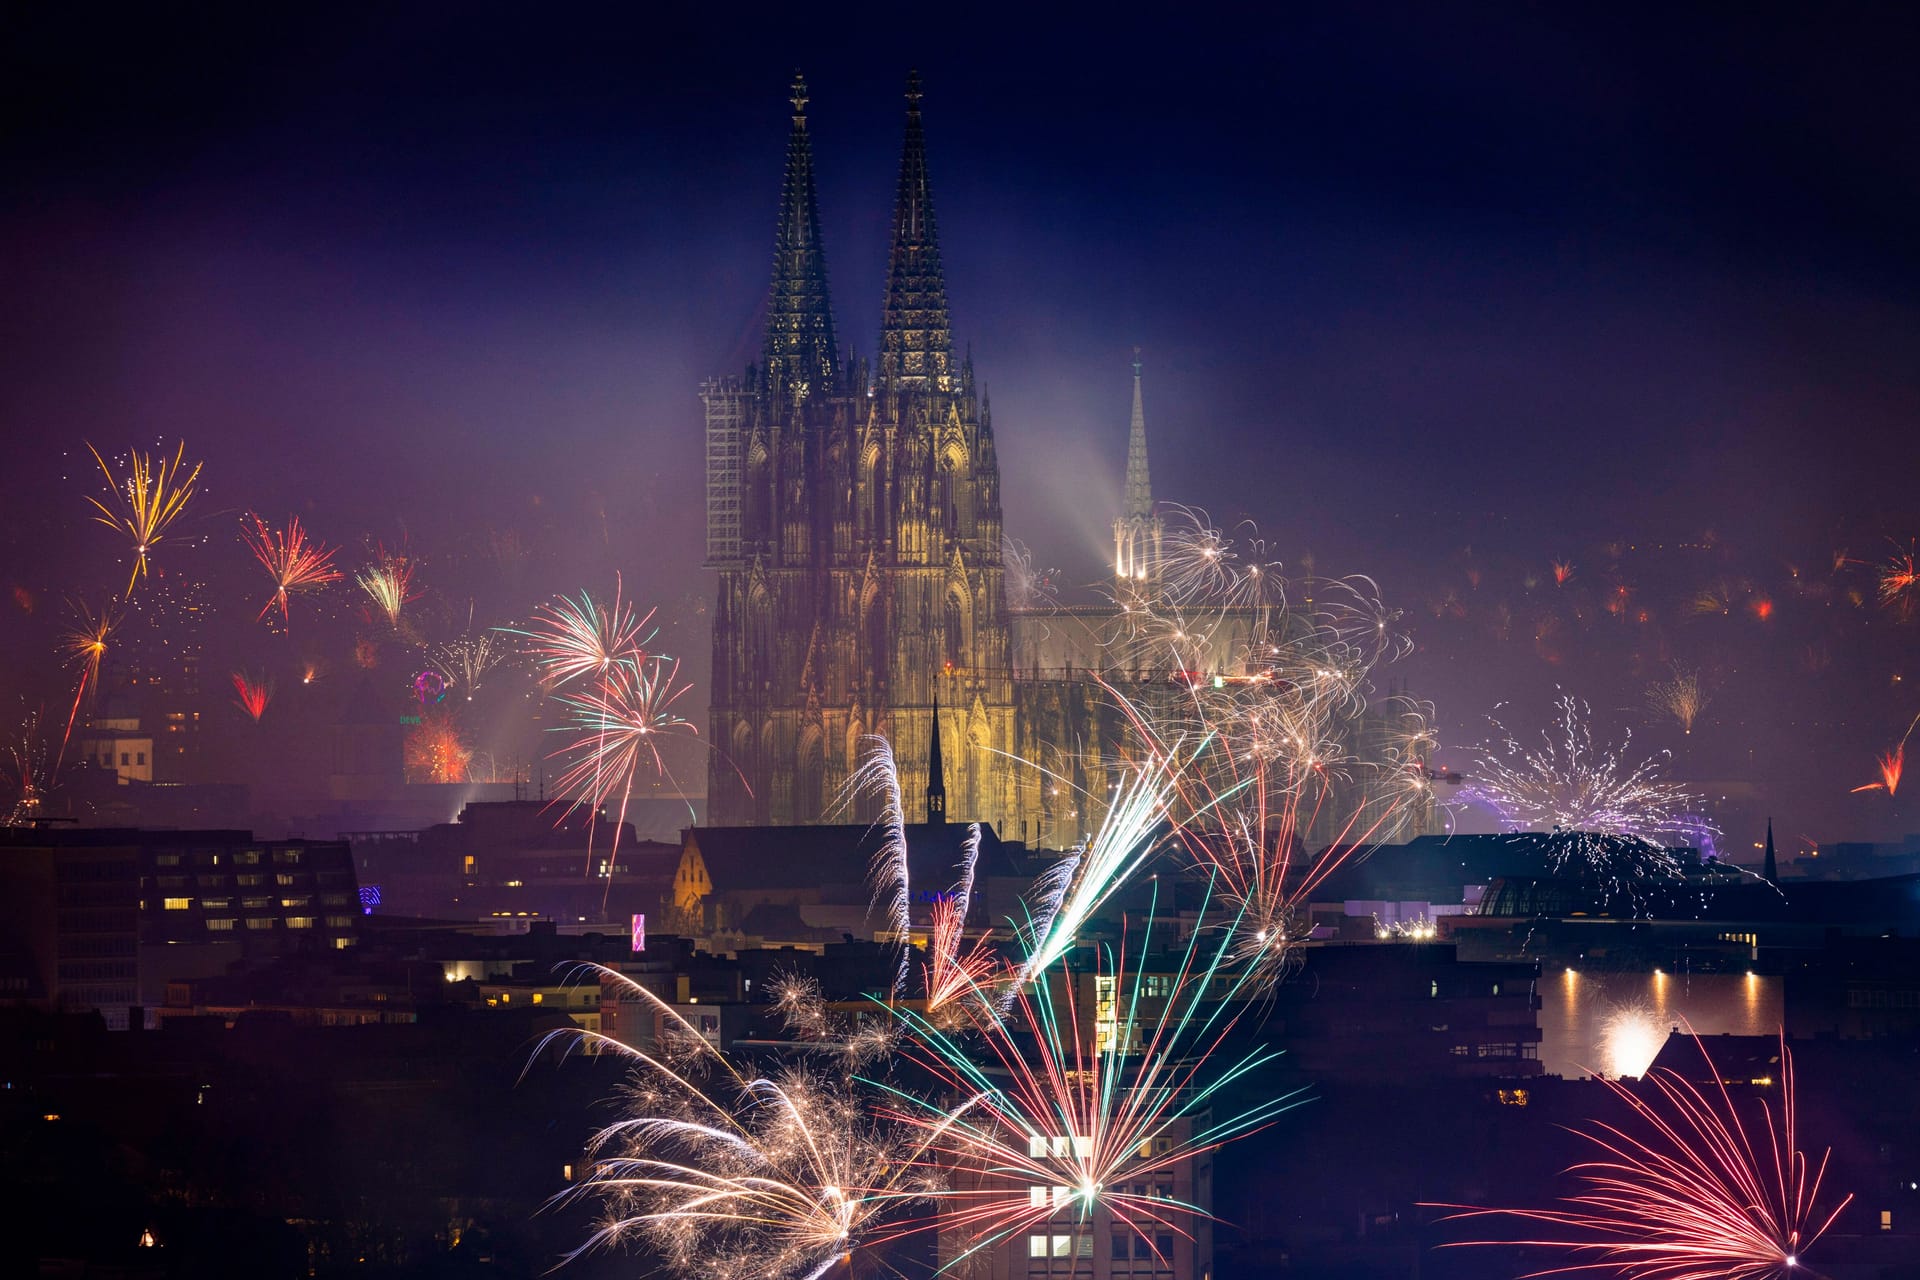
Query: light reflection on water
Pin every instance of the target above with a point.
(1613, 1023)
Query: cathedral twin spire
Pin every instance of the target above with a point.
(916, 333)
(800, 348)
(916, 338)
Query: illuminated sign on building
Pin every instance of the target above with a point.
(639, 932)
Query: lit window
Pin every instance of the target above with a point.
(176, 904)
(220, 924)
(1886, 1219)
(1036, 1246)
(1063, 1246)
(1060, 1196)
(1036, 1146)
(260, 922)
(299, 922)
(1036, 1197)
(538, 997)
(1058, 1145)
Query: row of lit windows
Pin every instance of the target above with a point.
(1882, 998)
(1057, 1197)
(1124, 1246)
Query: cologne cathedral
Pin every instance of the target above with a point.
(853, 517)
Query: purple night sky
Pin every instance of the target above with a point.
(1437, 299)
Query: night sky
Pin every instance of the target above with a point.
(1440, 298)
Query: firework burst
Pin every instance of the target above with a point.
(1900, 583)
(292, 562)
(1688, 1194)
(1572, 786)
(621, 719)
(1268, 737)
(145, 503)
(1086, 1097)
(571, 639)
(1028, 588)
(252, 693)
(388, 582)
(86, 647)
(30, 769)
(436, 750)
(466, 661)
(742, 1176)
(1891, 764)
(1681, 699)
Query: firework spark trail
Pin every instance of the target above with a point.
(878, 776)
(1892, 764)
(570, 639)
(1682, 698)
(1245, 813)
(1124, 842)
(955, 972)
(147, 502)
(622, 717)
(30, 771)
(1272, 728)
(388, 582)
(741, 1176)
(1691, 1197)
(293, 563)
(86, 647)
(1058, 1119)
(467, 660)
(1581, 791)
(252, 693)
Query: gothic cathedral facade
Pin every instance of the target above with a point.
(853, 518)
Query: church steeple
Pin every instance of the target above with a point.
(1771, 870)
(936, 773)
(800, 350)
(916, 333)
(1139, 484)
(1138, 532)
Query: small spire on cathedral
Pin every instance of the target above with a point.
(1771, 870)
(936, 772)
(1139, 481)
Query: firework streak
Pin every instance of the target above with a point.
(1080, 1106)
(748, 1177)
(290, 560)
(147, 502)
(1690, 1195)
